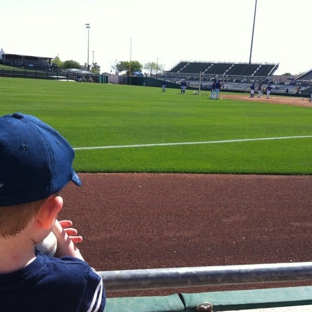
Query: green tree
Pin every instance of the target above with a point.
(96, 68)
(129, 67)
(57, 63)
(153, 67)
(71, 64)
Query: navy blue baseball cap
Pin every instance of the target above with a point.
(35, 160)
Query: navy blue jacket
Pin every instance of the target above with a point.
(52, 284)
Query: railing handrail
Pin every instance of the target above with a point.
(164, 278)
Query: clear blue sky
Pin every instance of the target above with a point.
(167, 31)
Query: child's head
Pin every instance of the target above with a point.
(35, 162)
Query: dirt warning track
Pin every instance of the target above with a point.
(137, 221)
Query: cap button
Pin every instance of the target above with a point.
(17, 115)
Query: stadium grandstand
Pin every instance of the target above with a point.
(27, 61)
(306, 76)
(223, 71)
(41, 67)
(236, 76)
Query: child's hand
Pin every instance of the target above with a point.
(65, 245)
(71, 232)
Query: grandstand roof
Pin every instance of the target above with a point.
(8, 57)
(305, 76)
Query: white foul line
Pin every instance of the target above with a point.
(191, 143)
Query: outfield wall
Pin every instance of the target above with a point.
(152, 82)
(52, 75)
(194, 85)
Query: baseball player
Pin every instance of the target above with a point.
(183, 86)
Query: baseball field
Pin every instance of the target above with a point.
(174, 180)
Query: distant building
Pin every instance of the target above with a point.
(26, 61)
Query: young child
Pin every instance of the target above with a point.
(35, 165)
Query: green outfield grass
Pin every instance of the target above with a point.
(122, 117)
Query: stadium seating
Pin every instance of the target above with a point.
(306, 76)
(227, 69)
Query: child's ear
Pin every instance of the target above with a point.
(49, 211)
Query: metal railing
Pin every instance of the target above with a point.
(128, 280)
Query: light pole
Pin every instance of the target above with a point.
(88, 27)
(93, 57)
(253, 30)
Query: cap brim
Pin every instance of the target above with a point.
(76, 179)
